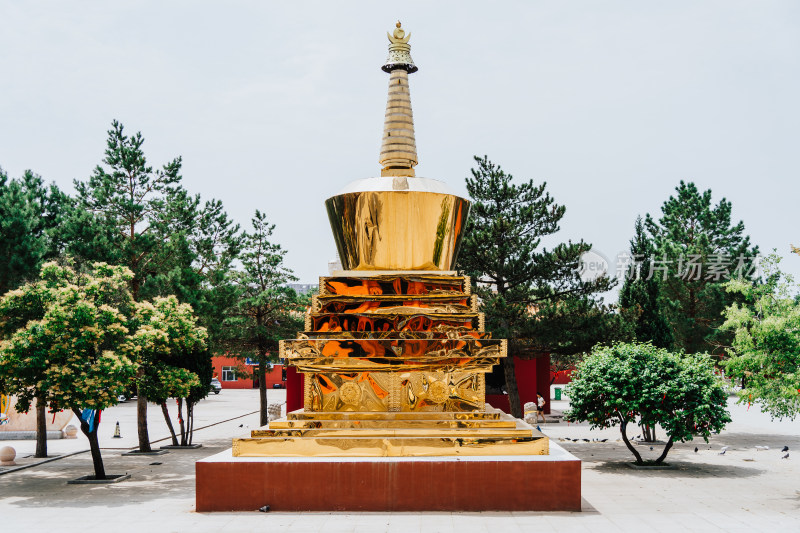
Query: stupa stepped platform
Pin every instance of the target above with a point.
(303, 415)
(410, 320)
(397, 335)
(381, 341)
(396, 435)
(302, 419)
(393, 355)
(402, 282)
(396, 304)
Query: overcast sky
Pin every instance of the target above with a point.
(277, 106)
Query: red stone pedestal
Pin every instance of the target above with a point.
(503, 483)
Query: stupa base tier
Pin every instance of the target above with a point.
(440, 446)
(499, 483)
(395, 435)
(302, 414)
(371, 424)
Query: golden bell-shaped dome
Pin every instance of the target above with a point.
(398, 221)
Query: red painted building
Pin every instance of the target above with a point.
(533, 377)
(235, 373)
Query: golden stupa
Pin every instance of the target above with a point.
(394, 352)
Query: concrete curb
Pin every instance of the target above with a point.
(652, 467)
(50, 459)
(37, 463)
(87, 480)
(137, 452)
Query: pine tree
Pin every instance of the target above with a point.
(640, 291)
(699, 250)
(29, 222)
(130, 214)
(267, 310)
(514, 276)
(29, 218)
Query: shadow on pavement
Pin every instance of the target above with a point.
(682, 469)
(173, 479)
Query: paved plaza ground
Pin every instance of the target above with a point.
(746, 489)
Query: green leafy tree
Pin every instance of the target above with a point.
(131, 214)
(701, 250)
(30, 216)
(765, 353)
(638, 383)
(165, 335)
(198, 362)
(640, 291)
(529, 293)
(267, 310)
(18, 308)
(73, 357)
(122, 216)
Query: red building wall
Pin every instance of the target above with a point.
(533, 376)
(245, 378)
(562, 377)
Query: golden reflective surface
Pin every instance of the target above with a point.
(382, 424)
(394, 365)
(407, 283)
(393, 417)
(389, 435)
(397, 348)
(386, 322)
(394, 391)
(397, 230)
(387, 447)
(394, 304)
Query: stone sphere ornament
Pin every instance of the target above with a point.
(7, 455)
(70, 432)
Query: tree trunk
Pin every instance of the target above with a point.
(665, 452)
(511, 386)
(141, 421)
(189, 422)
(97, 458)
(41, 428)
(181, 420)
(262, 391)
(165, 411)
(623, 428)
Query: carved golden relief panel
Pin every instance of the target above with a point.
(394, 391)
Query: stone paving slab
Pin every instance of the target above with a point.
(743, 490)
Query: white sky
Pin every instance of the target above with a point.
(277, 106)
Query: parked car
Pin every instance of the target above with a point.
(277, 386)
(216, 386)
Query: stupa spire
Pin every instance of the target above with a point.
(399, 148)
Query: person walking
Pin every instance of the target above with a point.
(539, 407)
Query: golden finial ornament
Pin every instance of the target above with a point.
(399, 51)
(398, 155)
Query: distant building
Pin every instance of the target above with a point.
(303, 288)
(334, 265)
(237, 373)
